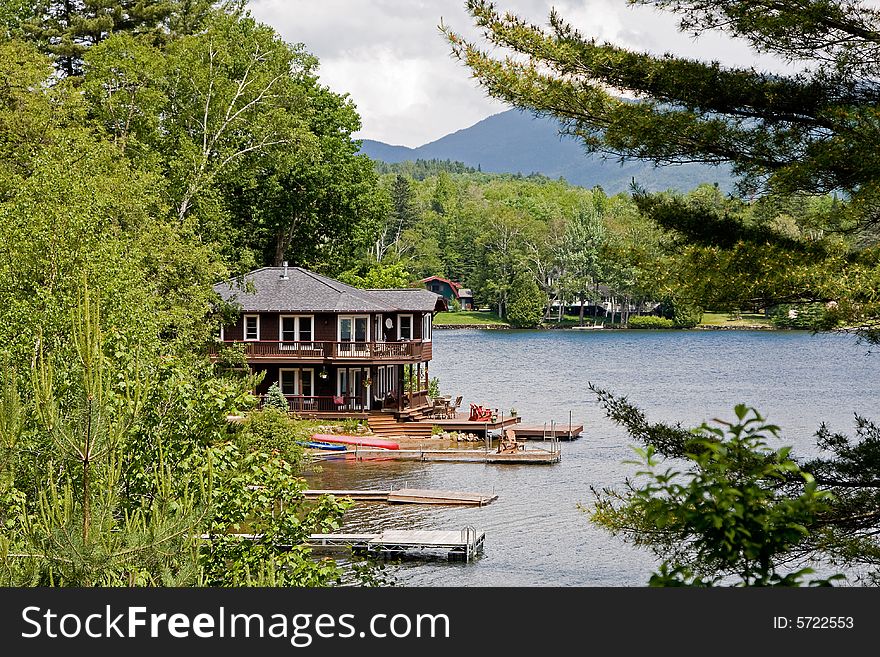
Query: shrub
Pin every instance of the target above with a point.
(271, 430)
(276, 399)
(650, 322)
(682, 313)
(808, 316)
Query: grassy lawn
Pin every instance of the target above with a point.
(723, 319)
(469, 317)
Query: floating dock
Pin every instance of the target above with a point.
(462, 544)
(548, 431)
(522, 456)
(409, 496)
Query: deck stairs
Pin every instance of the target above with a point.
(386, 424)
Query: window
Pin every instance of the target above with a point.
(435, 287)
(295, 328)
(307, 382)
(427, 322)
(287, 381)
(404, 327)
(252, 328)
(297, 382)
(354, 328)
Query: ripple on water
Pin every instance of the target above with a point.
(535, 533)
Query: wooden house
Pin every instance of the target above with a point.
(334, 350)
(450, 290)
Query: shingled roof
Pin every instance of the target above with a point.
(267, 290)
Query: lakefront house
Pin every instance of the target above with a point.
(450, 290)
(334, 350)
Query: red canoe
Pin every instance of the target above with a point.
(363, 441)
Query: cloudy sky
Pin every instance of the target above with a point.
(390, 57)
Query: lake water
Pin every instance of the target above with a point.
(536, 535)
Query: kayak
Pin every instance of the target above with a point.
(321, 445)
(363, 441)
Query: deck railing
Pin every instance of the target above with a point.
(324, 404)
(274, 349)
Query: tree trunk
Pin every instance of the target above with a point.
(581, 313)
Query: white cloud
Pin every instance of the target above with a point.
(391, 58)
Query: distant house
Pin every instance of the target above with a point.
(333, 349)
(450, 290)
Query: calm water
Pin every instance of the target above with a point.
(535, 533)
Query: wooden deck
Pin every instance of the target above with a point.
(547, 431)
(409, 496)
(479, 455)
(462, 544)
(461, 423)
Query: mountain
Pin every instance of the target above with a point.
(516, 142)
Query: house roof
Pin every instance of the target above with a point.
(456, 288)
(266, 290)
(411, 298)
(451, 284)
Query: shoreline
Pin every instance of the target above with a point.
(699, 327)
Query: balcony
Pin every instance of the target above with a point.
(411, 351)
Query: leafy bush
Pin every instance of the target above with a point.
(270, 430)
(650, 322)
(682, 313)
(807, 316)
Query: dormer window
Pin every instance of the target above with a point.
(251, 328)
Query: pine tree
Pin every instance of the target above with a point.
(65, 29)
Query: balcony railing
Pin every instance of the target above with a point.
(277, 350)
(327, 404)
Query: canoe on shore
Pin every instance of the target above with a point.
(364, 441)
(323, 445)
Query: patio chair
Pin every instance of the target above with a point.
(439, 408)
(453, 408)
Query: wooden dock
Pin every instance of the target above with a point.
(463, 544)
(549, 431)
(409, 496)
(483, 455)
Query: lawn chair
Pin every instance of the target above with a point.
(439, 409)
(480, 414)
(453, 408)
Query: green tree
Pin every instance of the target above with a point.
(527, 302)
(276, 399)
(66, 29)
(723, 515)
(810, 132)
(377, 276)
(580, 254)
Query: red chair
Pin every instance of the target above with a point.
(480, 414)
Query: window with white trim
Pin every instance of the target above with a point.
(427, 324)
(251, 328)
(287, 381)
(404, 327)
(297, 381)
(307, 382)
(354, 328)
(295, 328)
